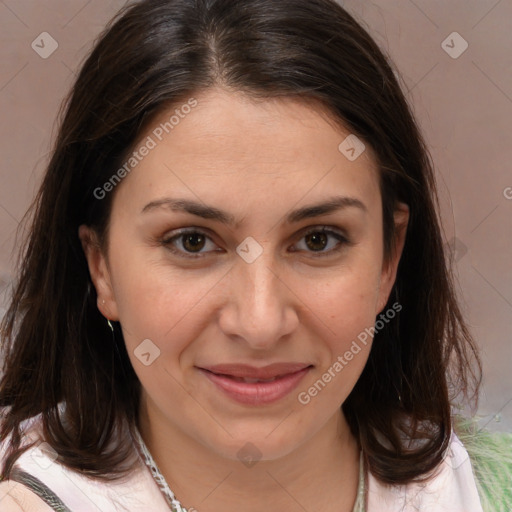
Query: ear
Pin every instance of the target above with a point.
(390, 267)
(100, 274)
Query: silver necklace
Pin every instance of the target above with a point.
(172, 501)
(176, 506)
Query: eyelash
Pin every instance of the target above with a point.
(168, 241)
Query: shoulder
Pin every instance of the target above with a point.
(16, 497)
(74, 489)
(451, 488)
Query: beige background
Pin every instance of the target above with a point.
(463, 104)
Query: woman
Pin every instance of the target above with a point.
(234, 294)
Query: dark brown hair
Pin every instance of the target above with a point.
(58, 347)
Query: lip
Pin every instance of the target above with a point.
(228, 378)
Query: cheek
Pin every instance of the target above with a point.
(346, 301)
(158, 302)
(346, 306)
(161, 315)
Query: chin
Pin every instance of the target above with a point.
(256, 444)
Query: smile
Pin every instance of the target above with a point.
(252, 386)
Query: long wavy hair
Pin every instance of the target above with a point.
(57, 346)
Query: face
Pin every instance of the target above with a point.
(245, 259)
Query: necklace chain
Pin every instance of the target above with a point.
(171, 499)
(176, 506)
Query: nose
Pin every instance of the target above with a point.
(260, 310)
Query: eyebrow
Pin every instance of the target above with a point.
(331, 205)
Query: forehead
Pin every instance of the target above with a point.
(230, 121)
(219, 143)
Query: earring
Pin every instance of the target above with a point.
(108, 321)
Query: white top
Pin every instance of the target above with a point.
(452, 489)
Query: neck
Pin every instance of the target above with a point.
(320, 474)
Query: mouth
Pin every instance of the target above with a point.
(256, 386)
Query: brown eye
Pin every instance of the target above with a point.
(317, 241)
(322, 242)
(193, 242)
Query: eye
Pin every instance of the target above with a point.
(322, 241)
(189, 243)
(194, 243)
